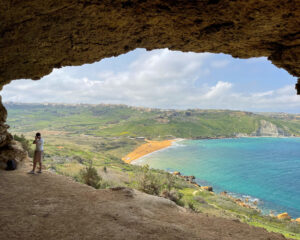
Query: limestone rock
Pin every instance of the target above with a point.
(5, 137)
(269, 129)
(37, 36)
(283, 216)
(9, 149)
(12, 151)
(3, 112)
(177, 173)
(207, 188)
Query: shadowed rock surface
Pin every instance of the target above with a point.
(9, 149)
(37, 36)
(50, 206)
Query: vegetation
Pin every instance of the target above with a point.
(159, 183)
(90, 176)
(123, 121)
(148, 182)
(26, 144)
(87, 143)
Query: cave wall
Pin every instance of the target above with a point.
(5, 137)
(39, 35)
(9, 149)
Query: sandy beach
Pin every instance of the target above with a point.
(149, 147)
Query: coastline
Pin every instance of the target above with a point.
(246, 201)
(153, 146)
(147, 148)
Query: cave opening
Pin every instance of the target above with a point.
(100, 112)
(157, 79)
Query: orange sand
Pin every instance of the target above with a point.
(149, 147)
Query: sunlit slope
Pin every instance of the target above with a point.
(121, 120)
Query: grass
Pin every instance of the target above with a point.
(122, 121)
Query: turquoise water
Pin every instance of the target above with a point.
(267, 169)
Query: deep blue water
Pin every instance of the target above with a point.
(264, 168)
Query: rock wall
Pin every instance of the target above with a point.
(268, 129)
(9, 149)
(39, 35)
(5, 137)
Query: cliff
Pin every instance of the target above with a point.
(268, 129)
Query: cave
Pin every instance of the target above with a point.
(38, 36)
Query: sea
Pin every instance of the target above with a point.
(266, 170)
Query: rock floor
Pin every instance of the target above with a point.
(50, 206)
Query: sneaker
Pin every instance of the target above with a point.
(39, 171)
(31, 172)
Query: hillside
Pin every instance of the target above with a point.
(50, 206)
(120, 120)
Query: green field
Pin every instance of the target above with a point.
(124, 121)
(78, 135)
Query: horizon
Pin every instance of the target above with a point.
(142, 107)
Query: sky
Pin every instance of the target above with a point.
(166, 79)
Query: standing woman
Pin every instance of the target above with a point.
(38, 153)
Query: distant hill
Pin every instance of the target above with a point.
(120, 120)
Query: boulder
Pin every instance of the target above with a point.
(207, 188)
(284, 216)
(13, 151)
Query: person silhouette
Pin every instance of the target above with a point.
(38, 153)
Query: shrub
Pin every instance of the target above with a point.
(90, 176)
(26, 144)
(79, 159)
(200, 199)
(293, 227)
(192, 206)
(147, 182)
(173, 195)
(169, 182)
(104, 184)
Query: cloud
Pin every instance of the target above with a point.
(219, 89)
(160, 78)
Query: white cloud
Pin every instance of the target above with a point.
(159, 78)
(219, 89)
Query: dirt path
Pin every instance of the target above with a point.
(49, 206)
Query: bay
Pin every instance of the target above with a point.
(263, 169)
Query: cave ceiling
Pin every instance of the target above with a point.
(39, 35)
